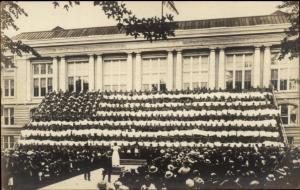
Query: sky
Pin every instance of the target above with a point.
(42, 15)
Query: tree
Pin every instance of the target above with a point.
(10, 11)
(152, 29)
(290, 43)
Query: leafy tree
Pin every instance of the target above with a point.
(152, 29)
(10, 11)
(290, 43)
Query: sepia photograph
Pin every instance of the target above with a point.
(150, 95)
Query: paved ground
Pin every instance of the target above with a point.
(78, 182)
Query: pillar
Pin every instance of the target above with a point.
(29, 79)
(55, 74)
(267, 65)
(129, 72)
(91, 70)
(99, 73)
(62, 74)
(212, 65)
(179, 70)
(221, 77)
(170, 70)
(138, 75)
(256, 67)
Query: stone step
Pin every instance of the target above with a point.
(132, 161)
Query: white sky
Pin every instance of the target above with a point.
(43, 16)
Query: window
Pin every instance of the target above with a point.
(290, 140)
(78, 76)
(114, 74)
(238, 72)
(8, 114)
(195, 71)
(288, 114)
(8, 63)
(284, 73)
(154, 73)
(42, 79)
(8, 141)
(9, 87)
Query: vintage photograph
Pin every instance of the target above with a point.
(150, 95)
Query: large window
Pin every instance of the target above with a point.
(114, 74)
(288, 114)
(195, 71)
(284, 73)
(42, 79)
(8, 116)
(238, 72)
(78, 76)
(8, 141)
(154, 73)
(9, 87)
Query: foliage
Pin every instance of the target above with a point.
(10, 11)
(152, 29)
(290, 43)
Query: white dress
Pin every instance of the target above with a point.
(115, 156)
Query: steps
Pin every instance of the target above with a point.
(132, 161)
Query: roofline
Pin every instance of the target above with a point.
(174, 22)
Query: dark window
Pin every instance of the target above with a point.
(238, 79)
(78, 85)
(43, 86)
(247, 83)
(35, 87)
(50, 85)
(71, 84)
(283, 84)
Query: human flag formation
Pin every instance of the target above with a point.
(171, 5)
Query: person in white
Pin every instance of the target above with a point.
(115, 155)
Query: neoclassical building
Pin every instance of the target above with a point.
(216, 53)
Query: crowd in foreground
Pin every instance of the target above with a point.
(269, 167)
(166, 168)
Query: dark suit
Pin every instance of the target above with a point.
(107, 167)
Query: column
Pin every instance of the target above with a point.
(29, 78)
(267, 66)
(179, 70)
(221, 77)
(62, 74)
(170, 70)
(99, 73)
(138, 75)
(91, 70)
(55, 74)
(129, 72)
(256, 67)
(212, 65)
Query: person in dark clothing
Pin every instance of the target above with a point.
(107, 166)
(87, 168)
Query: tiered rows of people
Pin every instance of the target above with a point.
(76, 106)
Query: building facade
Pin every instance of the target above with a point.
(217, 53)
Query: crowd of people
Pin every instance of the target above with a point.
(190, 139)
(213, 168)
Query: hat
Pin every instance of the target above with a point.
(270, 177)
(190, 183)
(198, 180)
(117, 184)
(153, 169)
(254, 183)
(171, 167)
(123, 187)
(168, 174)
(281, 171)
